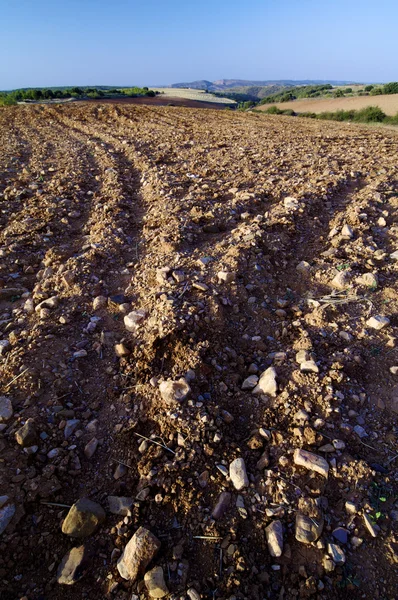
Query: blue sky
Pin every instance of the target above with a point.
(152, 42)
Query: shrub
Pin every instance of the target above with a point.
(273, 110)
(289, 112)
(307, 115)
(339, 94)
(376, 91)
(369, 88)
(391, 88)
(370, 114)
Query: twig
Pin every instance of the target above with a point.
(220, 562)
(207, 537)
(391, 459)
(367, 445)
(153, 442)
(17, 377)
(56, 504)
(121, 463)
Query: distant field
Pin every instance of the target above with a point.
(191, 94)
(387, 103)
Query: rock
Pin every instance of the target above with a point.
(394, 370)
(100, 302)
(360, 431)
(155, 583)
(368, 280)
(267, 383)
(303, 267)
(121, 350)
(225, 277)
(52, 302)
(91, 447)
(263, 461)
(120, 505)
(6, 514)
(340, 534)
(250, 382)
(26, 436)
(336, 554)
(378, 322)
(29, 306)
(309, 366)
(138, 553)
(223, 503)
(174, 391)
(341, 280)
(134, 319)
(83, 518)
(5, 346)
(394, 255)
(302, 356)
(238, 475)
(274, 535)
(308, 529)
(351, 507)
(311, 461)
(193, 594)
(347, 233)
(120, 471)
(70, 427)
(72, 566)
(6, 410)
(369, 525)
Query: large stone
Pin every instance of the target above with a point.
(138, 553)
(378, 322)
(274, 534)
(308, 529)
(267, 383)
(155, 583)
(26, 436)
(83, 518)
(134, 319)
(238, 475)
(311, 461)
(120, 505)
(6, 410)
(72, 566)
(174, 391)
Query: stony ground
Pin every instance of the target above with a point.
(190, 303)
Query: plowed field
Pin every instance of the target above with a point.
(249, 260)
(387, 103)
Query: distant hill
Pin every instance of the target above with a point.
(222, 85)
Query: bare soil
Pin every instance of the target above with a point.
(387, 103)
(95, 200)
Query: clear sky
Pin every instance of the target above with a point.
(153, 42)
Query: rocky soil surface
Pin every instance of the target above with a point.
(198, 366)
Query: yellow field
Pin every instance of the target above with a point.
(387, 103)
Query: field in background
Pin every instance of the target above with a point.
(191, 94)
(387, 103)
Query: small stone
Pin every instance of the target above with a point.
(263, 461)
(52, 302)
(302, 356)
(350, 507)
(223, 503)
(225, 277)
(238, 475)
(336, 554)
(80, 353)
(378, 322)
(360, 431)
(250, 382)
(6, 410)
(29, 306)
(134, 319)
(394, 255)
(394, 370)
(155, 583)
(274, 534)
(347, 233)
(120, 471)
(138, 553)
(6, 514)
(267, 383)
(303, 267)
(369, 525)
(120, 505)
(5, 346)
(100, 302)
(179, 276)
(91, 447)
(121, 350)
(341, 280)
(174, 391)
(368, 280)
(311, 461)
(338, 444)
(301, 417)
(83, 518)
(72, 566)
(70, 427)
(27, 435)
(340, 534)
(193, 594)
(309, 366)
(199, 285)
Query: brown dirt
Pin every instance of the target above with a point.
(387, 103)
(163, 101)
(110, 194)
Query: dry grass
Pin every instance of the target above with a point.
(388, 103)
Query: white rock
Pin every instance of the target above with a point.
(250, 382)
(377, 322)
(225, 277)
(369, 525)
(238, 475)
(138, 553)
(155, 583)
(133, 320)
(48, 303)
(311, 461)
(303, 267)
(267, 383)
(347, 233)
(309, 366)
(174, 391)
(394, 255)
(368, 279)
(341, 280)
(274, 534)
